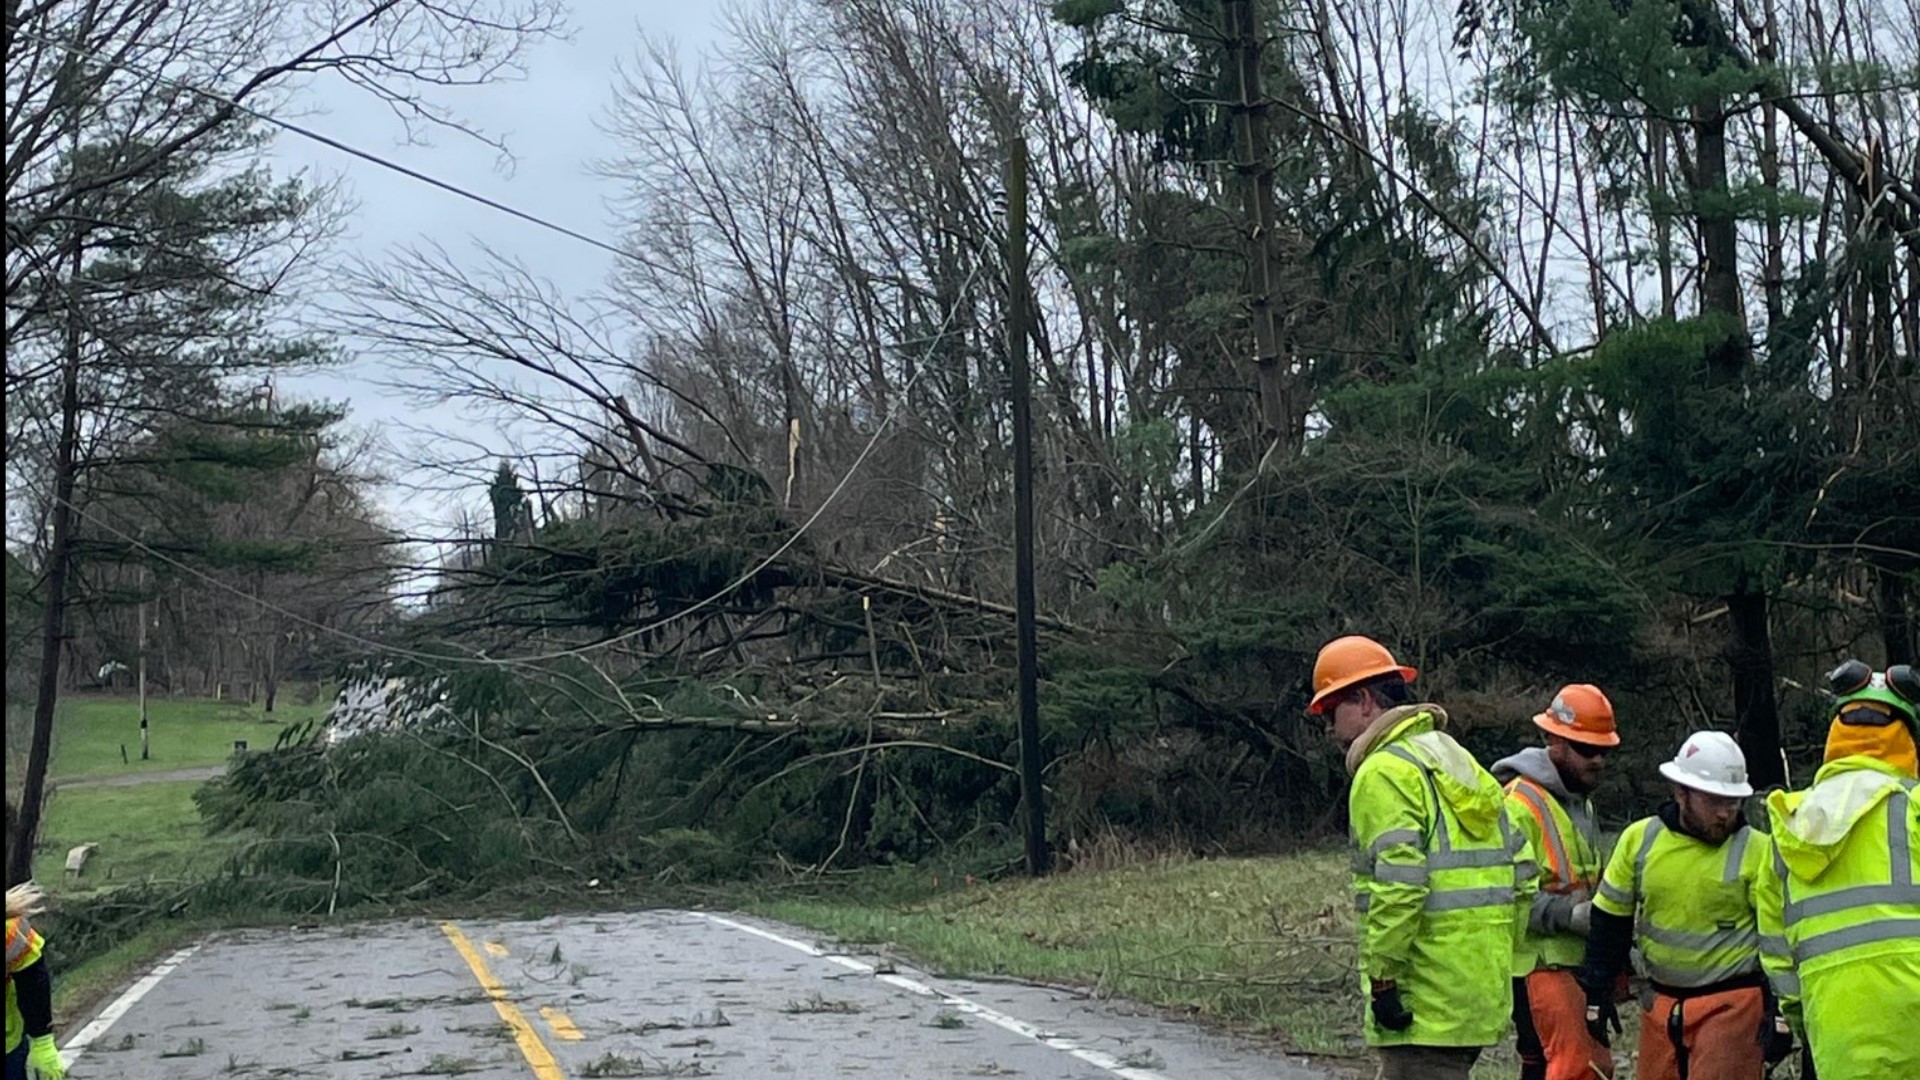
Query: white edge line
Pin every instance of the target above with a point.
(1095, 1058)
(111, 1014)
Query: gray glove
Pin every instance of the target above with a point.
(1580, 919)
(1569, 914)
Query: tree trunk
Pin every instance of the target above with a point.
(1756, 710)
(1773, 276)
(273, 670)
(1899, 620)
(53, 623)
(1662, 225)
(1750, 658)
(1255, 164)
(1719, 244)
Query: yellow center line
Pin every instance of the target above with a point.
(561, 1023)
(535, 1051)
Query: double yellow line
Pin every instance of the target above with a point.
(531, 1046)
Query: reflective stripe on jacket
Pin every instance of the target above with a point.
(23, 951)
(1692, 902)
(1568, 850)
(1439, 871)
(1840, 911)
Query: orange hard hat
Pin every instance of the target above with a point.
(1346, 661)
(1580, 713)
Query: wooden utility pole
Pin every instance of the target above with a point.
(1039, 858)
(146, 747)
(1253, 144)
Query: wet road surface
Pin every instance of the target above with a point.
(641, 994)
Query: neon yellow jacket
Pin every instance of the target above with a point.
(1439, 874)
(1840, 915)
(1692, 902)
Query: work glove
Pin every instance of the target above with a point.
(1602, 1014)
(1388, 1011)
(43, 1059)
(1571, 914)
(1776, 1039)
(1580, 918)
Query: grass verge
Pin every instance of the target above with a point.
(1262, 946)
(1258, 946)
(145, 832)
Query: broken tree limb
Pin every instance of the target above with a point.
(855, 579)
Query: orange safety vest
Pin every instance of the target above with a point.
(1572, 869)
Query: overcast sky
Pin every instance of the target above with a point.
(548, 123)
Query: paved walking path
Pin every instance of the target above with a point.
(200, 773)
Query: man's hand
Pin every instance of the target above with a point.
(1600, 1016)
(1388, 1011)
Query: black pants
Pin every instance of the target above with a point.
(1533, 1056)
(17, 1062)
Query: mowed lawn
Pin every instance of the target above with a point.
(149, 829)
(91, 730)
(145, 832)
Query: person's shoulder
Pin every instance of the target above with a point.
(1396, 758)
(1636, 831)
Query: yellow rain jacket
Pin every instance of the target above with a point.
(1840, 918)
(1441, 878)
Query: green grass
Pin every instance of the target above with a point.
(1261, 946)
(148, 830)
(1258, 945)
(90, 731)
(144, 831)
(152, 829)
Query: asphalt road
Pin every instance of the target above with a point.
(653, 994)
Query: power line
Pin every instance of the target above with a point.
(932, 341)
(581, 650)
(336, 144)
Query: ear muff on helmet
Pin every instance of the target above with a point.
(1850, 677)
(1902, 679)
(1866, 698)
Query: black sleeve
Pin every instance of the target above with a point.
(33, 990)
(1608, 943)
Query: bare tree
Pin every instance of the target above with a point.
(110, 100)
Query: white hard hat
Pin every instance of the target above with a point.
(1710, 761)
